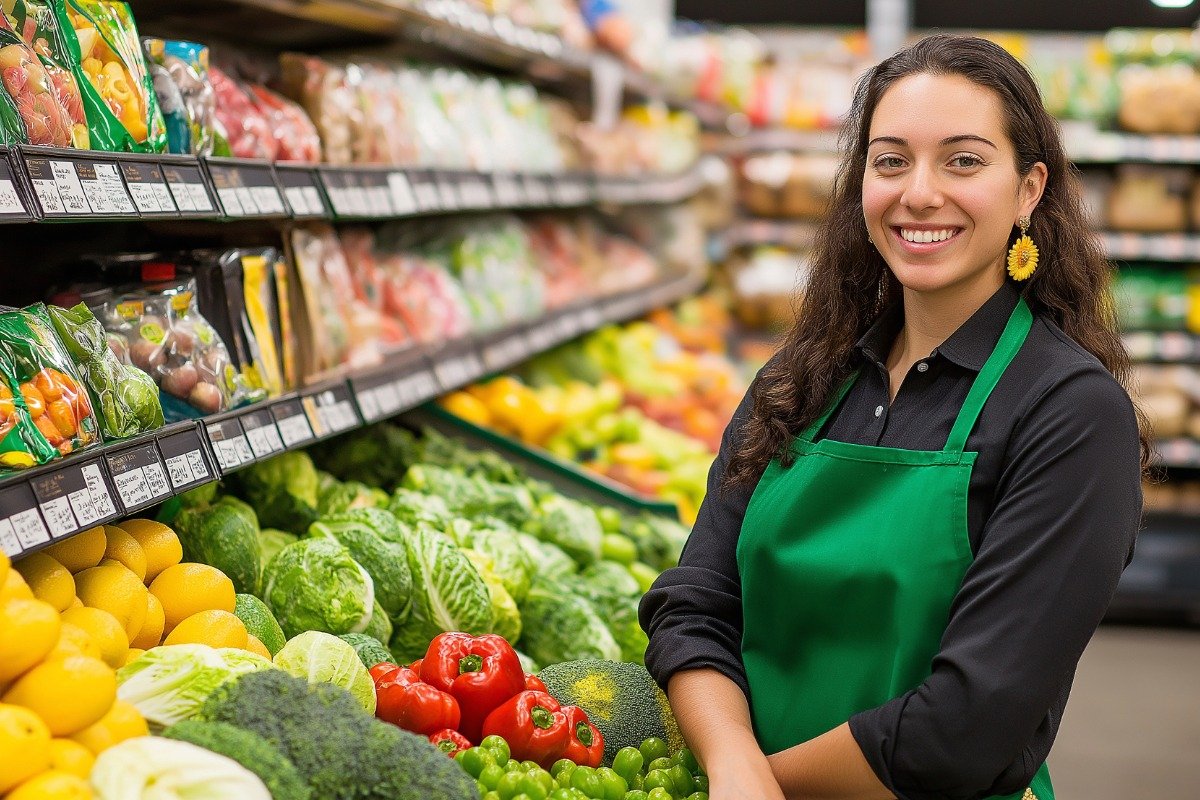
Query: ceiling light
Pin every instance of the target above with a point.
(1172, 3)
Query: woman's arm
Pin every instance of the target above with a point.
(830, 767)
(714, 719)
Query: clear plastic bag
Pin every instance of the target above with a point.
(246, 129)
(185, 93)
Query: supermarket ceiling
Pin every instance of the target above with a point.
(1093, 15)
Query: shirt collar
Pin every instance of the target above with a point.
(969, 346)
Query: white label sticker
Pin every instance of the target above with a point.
(401, 191)
(315, 205)
(9, 544)
(85, 509)
(182, 196)
(200, 201)
(180, 471)
(199, 467)
(264, 441)
(144, 198)
(246, 198)
(244, 453)
(59, 517)
(30, 528)
(267, 199)
(368, 403)
(298, 200)
(98, 491)
(156, 480)
(69, 188)
(414, 389)
(294, 429)
(380, 201)
(10, 201)
(231, 202)
(110, 179)
(132, 487)
(48, 196)
(96, 194)
(163, 196)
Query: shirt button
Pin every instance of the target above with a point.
(878, 410)
(922, 367)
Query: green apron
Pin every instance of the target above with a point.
(849, 561)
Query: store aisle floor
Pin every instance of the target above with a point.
(1132, 727)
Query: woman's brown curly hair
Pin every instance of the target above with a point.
(850, 283)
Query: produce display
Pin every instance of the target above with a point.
(38, 80)
(185, 94)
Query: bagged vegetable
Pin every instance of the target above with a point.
(243, 125)
(126, 397)
(44, 409)
(324, 91)
(171, 341)
(370, 287)
(33, 112)
(295, 135)
(185, 94)
(118, 91)
(37, 24)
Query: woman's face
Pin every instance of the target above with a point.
(941, 191)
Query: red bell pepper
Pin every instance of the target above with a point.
(479, 672)
(416, 666)
(449, 742)
(534, 684)
(534, 726)
(585, 743)
(381, 669)
(403, 700)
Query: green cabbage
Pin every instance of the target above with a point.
(170, 683)
(283, 490)
(336, 497)
(611, 576)
(385, 561)
(322, 658)
(316, 585)
(510, 563)
(570, 525)
(547, 559)
(561, 626)
(376, 456)
(380, 627)
(223, 535)
(506, 618)
(414, 508)
(155, 768)
(371, 651)
(271, 541)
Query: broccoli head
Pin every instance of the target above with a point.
(248, 749)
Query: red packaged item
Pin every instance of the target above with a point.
(295, 135)
(480, 672)
(324, 91)
(33, 94)
(424, 294)
(556, 249)
(403, 700)
(37, 24)
(370, 286)
(249, 134)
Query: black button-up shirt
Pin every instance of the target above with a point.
(1053, 510)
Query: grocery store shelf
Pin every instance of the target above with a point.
(784, 233)
(46, 184)
(52, 502)
(768, 139)
(1087, 145)
(1151, 246)
(1163, 579)
(1166, 347)
(1178, 453)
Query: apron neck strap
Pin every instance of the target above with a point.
(1019, 324)
(838, 396)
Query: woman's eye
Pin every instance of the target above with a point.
(965, 161)
(889, 162)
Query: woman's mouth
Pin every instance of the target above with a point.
(924, 240)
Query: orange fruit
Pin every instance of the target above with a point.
(104, 630)
(83, 550)
(214, 628)
(116, 590)
(24, 746)
(48, 580)
(123, 721)
(122, 547)
(69, 694)
(152, 628)
(71, 757)
(186, 589)
(53, 785)
(29, 629)
(74, 641)
(257, 647)
(159, 543)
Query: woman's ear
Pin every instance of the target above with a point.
(1032, 186)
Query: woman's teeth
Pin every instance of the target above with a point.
(926, 236)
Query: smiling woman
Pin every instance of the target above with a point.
(920, 511)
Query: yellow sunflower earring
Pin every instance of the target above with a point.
(1023, 255)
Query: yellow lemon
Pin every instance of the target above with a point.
(28, 631)
(71, 757)
(152, 628)
(186, 589)
(104, 630)
(4, 566)
(76, 603)
(24, 746)
(53, 785)
(14, 587)
(74, 641)
(214, 628)
(122, 547)
(83, 550)
(118, 591)
(69, 694)
(122, 722)
(48, 580)
(159, 543)
(133, 655)
(257, 647)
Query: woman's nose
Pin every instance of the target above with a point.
(921, 190)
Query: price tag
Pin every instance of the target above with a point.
(388, 399)
(98, 490)
(536, 191)
(368, 404)
(132, 488)
(118, 200)
(412, 390)
(261, 434)
(426, 192)
(590, 318)
(231, 204)
(77, 184)
(473, 192)
(245, 197)
(542, 336)
(505, 352)
(292, 423)
(401, 192)
(138, 476)
(458, 370)
(54, 491)
(509, 193)
(185, 459)
(10, 199)
(268, 200)
(45, 189)
(380, 200)
(300, 188)
(447, 191)
(229, 444)
(19, 514)
(228, 180)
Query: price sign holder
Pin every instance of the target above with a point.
(404, 201)
(505, 349)
(537, 191)
(508, 190)
(447, 190)
(402, 383)
(261, 433)
(189, 187)
(186, 457)
(74, 496)
(292, 423)
(458, 364)
(139, 476)
(75, 184)
(246, 188)
(302, 190)
(14, 205)
(474, 191)
(229, 444)
(149, 189)
(331, 410)
(22, 528)
(425, 190)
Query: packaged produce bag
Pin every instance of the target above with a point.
(118, 91)
(171, 341)
(240, 122)
(37, 24)
(324, 90)
(30, 109)
(125, 397)
(185, 94)
(296, 137)
(370, 287)
(44, 409)
(236, 291)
